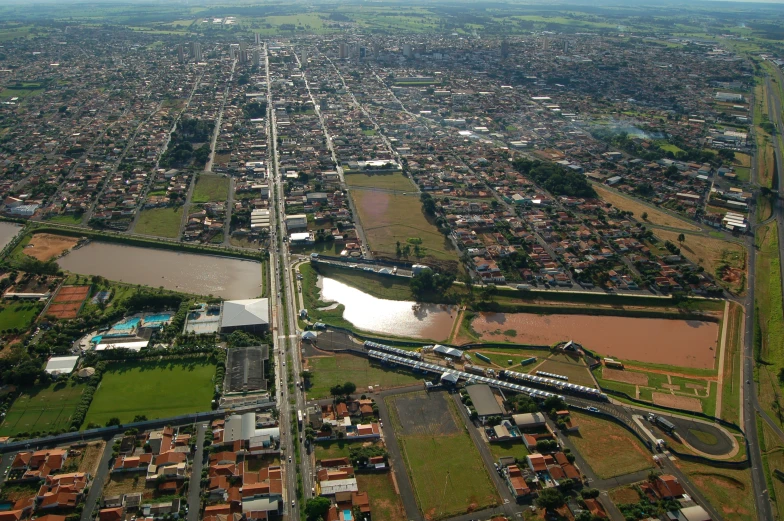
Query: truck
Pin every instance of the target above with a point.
(299, 418)
(524, 287)
(483, 357)
(313, 256)
(615, 364)
(661, 422)
(527, 361)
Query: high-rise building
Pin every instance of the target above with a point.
(197, 52)
(232, 52)
(545, 44)
(566, 46)
(258, 38)
(343, 51)
(504, 49)
(180, 54)
(303, 57)
(408, 51)
(256, 57)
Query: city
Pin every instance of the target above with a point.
(375, 261)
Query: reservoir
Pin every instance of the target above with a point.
(391, 317)
(684, 343)
(223, 277)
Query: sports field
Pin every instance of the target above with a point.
(154, 389)
(391, 218)
(338, 369)
(42, 409)
(444, 465)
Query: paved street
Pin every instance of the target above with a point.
(194, 488)
(99, 480)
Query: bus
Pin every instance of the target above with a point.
(299, 418)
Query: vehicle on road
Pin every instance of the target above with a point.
(593, 409)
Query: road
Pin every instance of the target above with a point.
(216, 130)
(99, 480)
(194, 486)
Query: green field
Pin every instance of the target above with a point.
(160, 222)
(331, 449)
(728, 490)
(154, 389)
(331, 370)
(507, 449)
(66, 219)
(390, 218)
(447, 472)
(395, 181)
(42, 409)
(18, 315)
(210, 188)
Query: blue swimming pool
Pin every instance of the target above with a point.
(157, 318)
(96, 339)
(128, 324)
(6, 506)
(347, 515)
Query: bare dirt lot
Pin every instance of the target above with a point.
(678, 402)
(45, 246)
(617, 375)
(66, 310)
(414, 408)
(91, 457)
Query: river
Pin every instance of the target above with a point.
(391, 317)
(223, 277)
(7, 232)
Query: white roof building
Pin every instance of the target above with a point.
(250, 315)
(61, 364)
(332, 487)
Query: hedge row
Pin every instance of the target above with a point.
(87, 396)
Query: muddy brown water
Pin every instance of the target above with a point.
(391, 317)
(223, 277)
(684, 343)
(7, 232)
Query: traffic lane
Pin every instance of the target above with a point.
(194, 488)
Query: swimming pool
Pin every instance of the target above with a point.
(96, 339)
(164, 317)
(347, 515)
(129, 324)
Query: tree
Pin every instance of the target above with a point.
(550, 499)
(644, 216)
(114, 421)
(317, 507)
(336, 390)
(349, 388)
(681, 238)
(139, 418)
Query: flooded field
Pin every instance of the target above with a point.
(684, 343)
(392, 317)
(7, 232)
(189, 272)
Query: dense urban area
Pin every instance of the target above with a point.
(384, 261)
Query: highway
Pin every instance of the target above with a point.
(285, 337)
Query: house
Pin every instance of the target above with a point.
(516, 482)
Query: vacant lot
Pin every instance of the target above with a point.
(629, 377)
(385, 502)
(391, 218)
(677, 401)
(396, 181)
(728, 490)
(597, 438)
(718, 257)
(160, 222)
(446, 470)
(42, 409)
(630, 204)
(338, 369)
(132, 483)
(210, 188)
(154, 389)
(45, 246)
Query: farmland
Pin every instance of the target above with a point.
(133, 388)
(390, 218)
(42, 409)
(160, 222)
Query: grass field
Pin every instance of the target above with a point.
(576, 370)
(395, 181)
(391, 218)
(629, 204)
(598, 438)
(66, 219)
(769, 330)
(155, 389)
(730, 400)
(338, 369)
(765, 155)
(385, 503)
(210, 188)
(728, 490)
(452, 483)
(772, 458)
(42, 409)
(161, 222)
(331, 449)
(712, 254)
(18, 315)
(506, 449)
